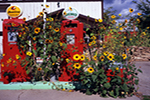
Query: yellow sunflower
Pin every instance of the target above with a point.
(41, 13)
(51, 41)
(24, 19)
(131, 10)
(119, 14)
(93, 37)
(76, 57)
(95, 57)
(70, 8)
(77, 65)
(143, 33)
(117, 68)
(124, 56)
(139, 14)
(102, 58)
(60, 43)
(90, 44)
(4, 54)
(9, 60)
(37, 30)
(106, 53)
(17, 56)
(82, 57)
(47, 41)
(121, 28)
(100, 20)
(126, 21)
(39, 69)
(113, 16)
(110, 57)
(56, 29)
(47, 6)
(34, 38)
(93, 42)
(90, 70)
(28, 53)
(95, 20)
(53, 63)
(2, 65)
(51, 19)
(65, 13)
(67, 60)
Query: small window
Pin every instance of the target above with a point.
(70, 38)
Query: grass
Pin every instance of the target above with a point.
(146, 97)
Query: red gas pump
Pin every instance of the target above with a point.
(11, 69)
(72, 34)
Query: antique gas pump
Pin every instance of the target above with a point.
(72, 35)
(11, 69)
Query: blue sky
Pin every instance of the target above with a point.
(122, 6)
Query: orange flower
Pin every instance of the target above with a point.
(39, 69)
(56, 29)
(24, 19)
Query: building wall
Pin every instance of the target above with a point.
(32, 9)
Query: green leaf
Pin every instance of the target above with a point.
(111, 93)
(87, 29)
(96, 89)
(28, 71)
(88, 92)
(104, 92)
(94, 77)
(136, 82)
(114, 80)
(140, 70)
(54, 59)
(34, 52)
(107, 85)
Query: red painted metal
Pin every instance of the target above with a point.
(71, 28)
(11, 68)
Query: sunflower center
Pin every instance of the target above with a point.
(91, 69)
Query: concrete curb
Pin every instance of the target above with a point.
(36, 85)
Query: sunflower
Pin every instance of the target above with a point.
(131, 10)
(17, 56)
(39, 69)
(51, 19)
(4, 54)
(95, 20)
(104, 46)
(67, 60)
(47, 6)
(56, 29)
(126, 21)
(143, 33)
(121, 28)
(106, 53)
(51, 41)
(65, 13)
(139, 14)
(102, 58)
(28, 53)
(77, 65)
(60, 43)
(9, 61)
(93, 42)
(100, 20)
(37, 30)
(24, 19)
(49, 27)
(90, 43)
(138, 20)
(34, 38)
(76, 57)
(2, 65)
(41, 13)
(124, 56)
(93, 37)
(47, 41)
(82, 57)
(119, 14)
(90, 70)
(70, 8)
(113, 16)
(110, 57)
(53, 63)
(95, 57)
(117, 68)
